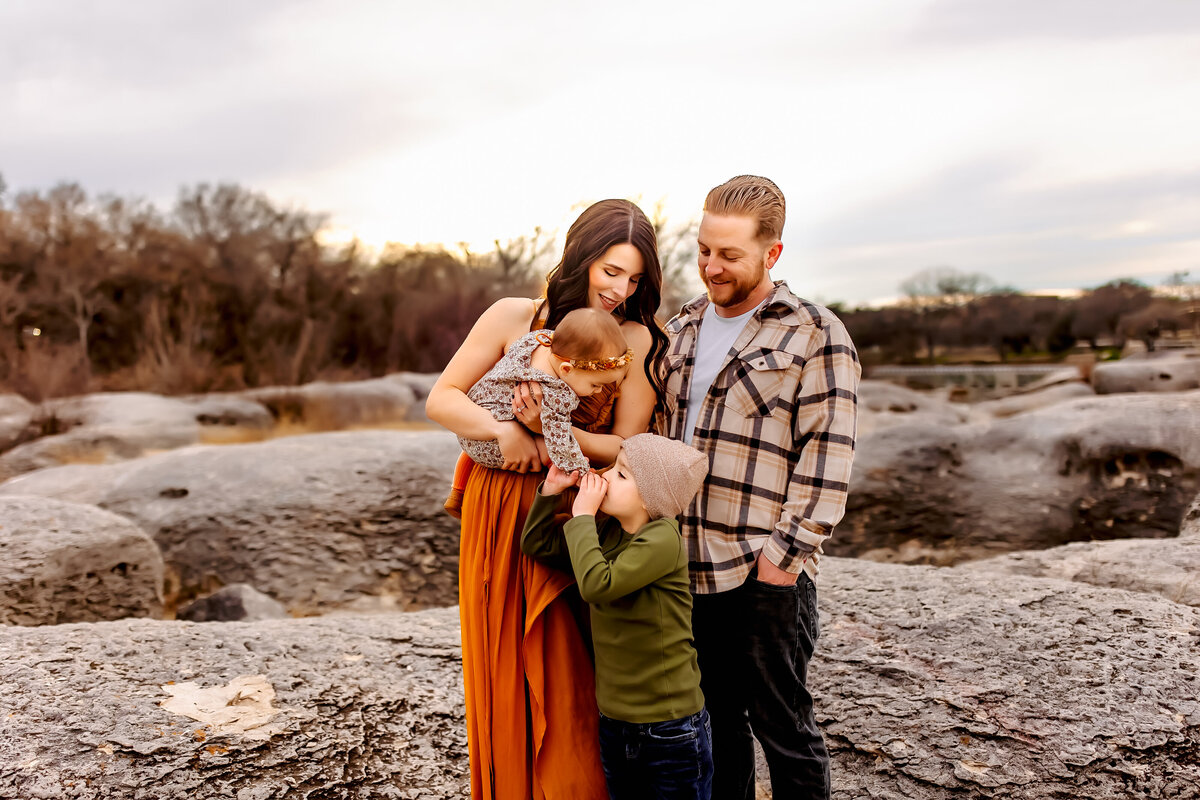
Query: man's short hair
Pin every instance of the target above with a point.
(750, 196)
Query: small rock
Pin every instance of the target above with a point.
(237, 603)
(1168, 374)
(66, 562)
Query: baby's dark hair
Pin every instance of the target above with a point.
(591, 340)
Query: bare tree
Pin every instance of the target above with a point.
(521, 263)
(937, 295)
(1181, 286)
(677, 256)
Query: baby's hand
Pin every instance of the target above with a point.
(592, 489)
(557, 480)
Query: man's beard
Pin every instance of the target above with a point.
(738, 291)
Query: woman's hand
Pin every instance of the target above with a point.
(518, 448)
(592, 489)
(527, 405)
(557, 480)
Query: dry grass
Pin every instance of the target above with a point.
(97, 455)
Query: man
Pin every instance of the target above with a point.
(764, 383)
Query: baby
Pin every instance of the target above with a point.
(632, 570)
(584, 353)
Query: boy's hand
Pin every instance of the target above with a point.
(592, 489)
(558, 480)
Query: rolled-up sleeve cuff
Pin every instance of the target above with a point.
(779, 552)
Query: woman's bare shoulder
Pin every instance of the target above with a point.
(637, 334)
(511, 313)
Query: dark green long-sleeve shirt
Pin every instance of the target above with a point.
(641, 609)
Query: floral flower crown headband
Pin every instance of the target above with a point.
(589, 364)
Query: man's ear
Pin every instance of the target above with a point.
(773, 254)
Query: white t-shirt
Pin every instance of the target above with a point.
(717, 334)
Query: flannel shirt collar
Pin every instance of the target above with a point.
(789, 309)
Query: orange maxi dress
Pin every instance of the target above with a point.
(532, 722)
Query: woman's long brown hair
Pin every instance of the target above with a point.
(599, 227)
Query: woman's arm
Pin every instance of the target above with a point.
(448, 404)
(634, 407)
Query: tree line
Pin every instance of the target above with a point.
(228, 290)
(944, 310)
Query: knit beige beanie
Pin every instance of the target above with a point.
(667, 473)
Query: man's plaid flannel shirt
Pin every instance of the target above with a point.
(778, 426)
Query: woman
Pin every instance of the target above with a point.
(531, 709)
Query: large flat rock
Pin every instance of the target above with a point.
(1167, 374)
(950, 683)
(316, 521)
(1169, 568)
(67, 562)
(930, 684)
(108, 427)
(399, 397)
(338, 707)
(1106, 467)
(114, 426)
(1031, 400)
(884, 405)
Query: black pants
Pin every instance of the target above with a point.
(754, 644)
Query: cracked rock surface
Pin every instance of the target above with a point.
(337, 707)
(930, 684)
(945, 683)
(317, 522)
(1169, 568)
(67, 562)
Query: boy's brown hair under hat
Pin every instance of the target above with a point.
(668, 473)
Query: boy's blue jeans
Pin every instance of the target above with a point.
(669, 760)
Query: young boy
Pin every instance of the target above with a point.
(586, 351)
(632, 570)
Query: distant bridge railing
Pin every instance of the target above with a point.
(976, 379)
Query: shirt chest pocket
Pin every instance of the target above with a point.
(763, 381)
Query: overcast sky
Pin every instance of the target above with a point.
(1046, 143)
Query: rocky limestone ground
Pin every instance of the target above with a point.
(1191, 522)
(67, 562)
(1115, 466)
(392, 398)
(316, 522)
(884, 405)
(1169, 568)
(1165, 372)
(1030, 400)
(931, 684)
(949, 683)
(111, 427)
(122, 425)
(336, 707)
